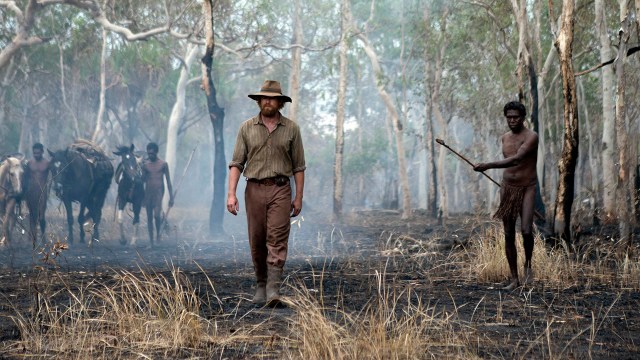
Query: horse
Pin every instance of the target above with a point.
(11, 177)
(130, 188)
(83, 177)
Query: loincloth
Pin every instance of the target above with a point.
(153, 196)
(511, 199)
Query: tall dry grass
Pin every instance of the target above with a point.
(598, 263)
(395, 324)
(143, 314)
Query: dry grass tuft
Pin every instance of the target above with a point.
(605, 263)
(136, 314)
(391, 326)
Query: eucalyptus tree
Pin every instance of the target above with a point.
(608, 113)
(624, 188)
(384, 86)
(338, 187)
(567, 164)
(73, 28)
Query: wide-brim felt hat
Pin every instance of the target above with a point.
(270, 88)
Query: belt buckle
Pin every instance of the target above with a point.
(281, 181)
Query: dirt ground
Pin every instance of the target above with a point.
(541, 321)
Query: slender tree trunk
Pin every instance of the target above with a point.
(545, 123)
(429, 139)
(520, 12)
(216, 115)
(608, 117)
(340, 114)
(97, 133)
(177, 113)
(526, 67)
(623, 193)
(25, 126)
(296, 61)
(363, 194)
(63, 93)
(395, 120)
(435, 106)
(590, 157)
(567, 164)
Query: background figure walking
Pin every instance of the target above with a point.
(269, 150)
(154, 173)
(37, 191)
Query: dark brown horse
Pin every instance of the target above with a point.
(130, 188)
(83, 178)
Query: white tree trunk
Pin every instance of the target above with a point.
(395, 120)
(177, 113)
(338, 186)
(609, 150)
(435, 105)
(567, 164)
(520, 12)
(97, 132)
(623, 193)
(296, 61)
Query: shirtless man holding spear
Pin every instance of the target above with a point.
(518, 189)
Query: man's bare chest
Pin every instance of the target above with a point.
(511, 144)
(38, 166)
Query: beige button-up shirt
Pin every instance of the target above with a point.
(262, 155)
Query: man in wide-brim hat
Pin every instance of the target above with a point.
(269, 151)
(270, 88)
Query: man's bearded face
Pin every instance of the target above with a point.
(269, 106)
(37, 154)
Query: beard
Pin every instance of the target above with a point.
(268, 110)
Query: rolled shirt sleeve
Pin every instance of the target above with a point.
(239, 157)
(297, 153)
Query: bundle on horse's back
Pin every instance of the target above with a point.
(92, 151)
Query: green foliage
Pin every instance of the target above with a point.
(367, 157)
(478, 70)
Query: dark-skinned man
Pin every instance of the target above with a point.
(517, 193)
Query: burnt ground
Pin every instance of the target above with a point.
(582, 319)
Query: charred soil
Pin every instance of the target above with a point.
(343, 268)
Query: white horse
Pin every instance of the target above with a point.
(11, 172)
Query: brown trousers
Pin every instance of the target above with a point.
(268, 218)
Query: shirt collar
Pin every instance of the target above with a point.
(258, 120)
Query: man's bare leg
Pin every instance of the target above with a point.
(157, 214)
(511, 252)
(527, 232)
(528, 252)
(150, 223)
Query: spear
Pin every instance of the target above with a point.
(175, 191)
(441, 142)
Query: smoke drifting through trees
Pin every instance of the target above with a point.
(442, 77)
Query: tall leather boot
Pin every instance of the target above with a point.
(274, 278)
(261, 293)
(261, 287)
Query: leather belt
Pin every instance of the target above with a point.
(277, 180)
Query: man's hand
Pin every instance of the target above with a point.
(296, 207)
(232, 204)
(481, 167)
